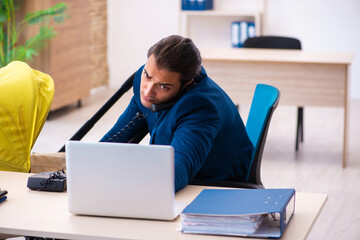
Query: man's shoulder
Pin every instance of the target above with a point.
(205, 89)
(206, 95)
(203, 96)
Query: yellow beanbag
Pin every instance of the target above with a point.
(25, 99)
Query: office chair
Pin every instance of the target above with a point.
(276, 42)
(265, 101)
(25, 99)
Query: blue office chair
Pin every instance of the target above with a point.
(265, 101)
(276, 42)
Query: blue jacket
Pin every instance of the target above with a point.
(203, 126)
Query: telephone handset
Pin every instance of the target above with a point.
(160, 107)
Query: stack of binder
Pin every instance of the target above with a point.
(239, 212)
(196, 5)
(240, 31)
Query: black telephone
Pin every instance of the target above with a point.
(48, 181)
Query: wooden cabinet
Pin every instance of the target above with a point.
(67, 57)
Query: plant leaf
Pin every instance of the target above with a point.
(9, 32)
(41, 15)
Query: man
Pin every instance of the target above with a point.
(184, 108)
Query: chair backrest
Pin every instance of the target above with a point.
(265, 100)
(25, 99)
(275, 42)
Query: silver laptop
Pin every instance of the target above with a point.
(121, 180)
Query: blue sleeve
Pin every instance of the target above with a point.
(129, 130)
(195, 131)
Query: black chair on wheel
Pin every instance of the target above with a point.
(277, 42)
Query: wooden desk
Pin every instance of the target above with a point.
(303, 78)
(45, 214)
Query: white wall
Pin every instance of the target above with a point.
(321, 25)
(133, 27)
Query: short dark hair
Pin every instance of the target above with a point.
(177, 54)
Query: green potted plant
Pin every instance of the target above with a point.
(11, 28)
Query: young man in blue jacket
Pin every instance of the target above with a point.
(182, 107)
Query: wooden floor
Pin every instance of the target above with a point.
(316, 167)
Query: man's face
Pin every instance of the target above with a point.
(158, 86)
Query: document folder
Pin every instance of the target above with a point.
(261, 213)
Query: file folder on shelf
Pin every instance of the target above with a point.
(261, 213)
(196, 5)
(240, 31)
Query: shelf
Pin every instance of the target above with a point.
(212, 28)
(215, 22)
(222, 13)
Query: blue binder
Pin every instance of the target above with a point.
(204, 5)
(3, 199)
(196, 5)
(185, 4)
(240, 212)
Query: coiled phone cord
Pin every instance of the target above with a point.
(138, 116)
